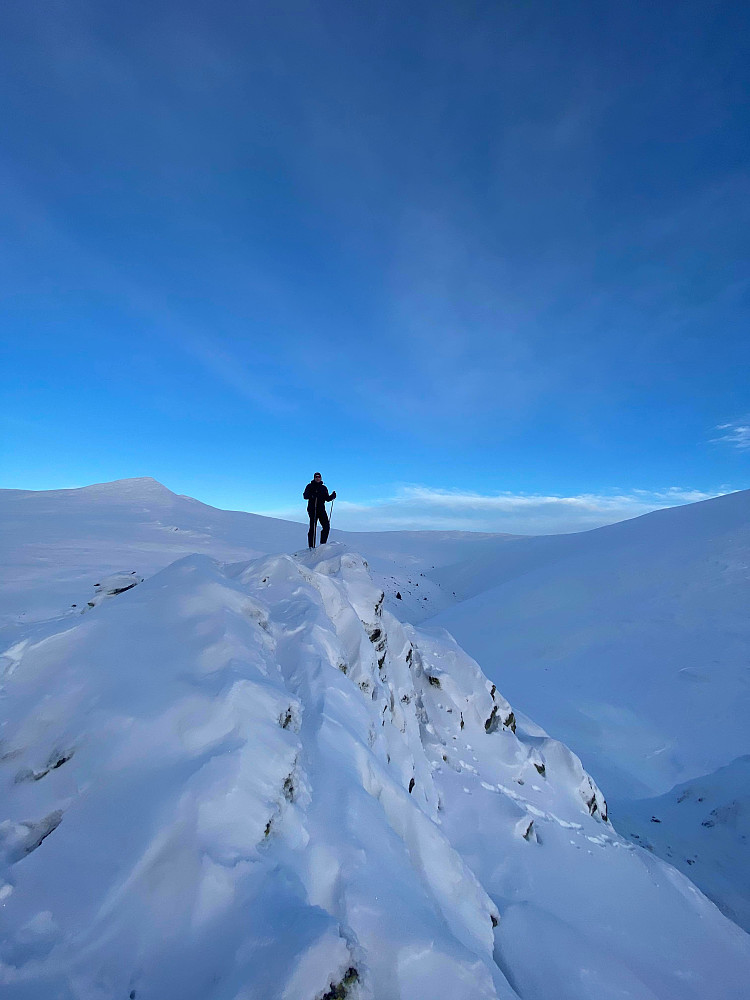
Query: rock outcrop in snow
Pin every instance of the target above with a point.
(250, 780)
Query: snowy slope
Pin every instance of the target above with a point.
(250, 780)
(632, 644)
(702, 828)
(632, 641)
(54, 545)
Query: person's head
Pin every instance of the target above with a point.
(317, 478)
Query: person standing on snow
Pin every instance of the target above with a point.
(316, 495)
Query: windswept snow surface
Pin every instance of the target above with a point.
(56, 544)
(632, 644)
(250, 780)
(632, 641)
(701, 827)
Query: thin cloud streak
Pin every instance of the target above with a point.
(210, 350)
(737, 434)
(418, 508)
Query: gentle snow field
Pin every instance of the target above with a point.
(238, 776)
(632, 644)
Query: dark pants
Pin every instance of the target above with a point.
(325, 526)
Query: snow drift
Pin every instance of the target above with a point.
(631, 643)
(249, 780)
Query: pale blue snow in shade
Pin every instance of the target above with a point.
(231, 771)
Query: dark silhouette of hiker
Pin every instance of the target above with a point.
(316, 495)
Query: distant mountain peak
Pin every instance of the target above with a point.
(134, 481)
(139, 487)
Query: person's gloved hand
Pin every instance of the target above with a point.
(333, 495)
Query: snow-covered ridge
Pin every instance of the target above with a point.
(124, 491)
(250, 780)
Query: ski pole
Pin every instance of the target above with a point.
(315, 522)
(330, 519)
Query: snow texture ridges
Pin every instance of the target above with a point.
(250, 780)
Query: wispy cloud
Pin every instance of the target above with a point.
(417, 507)
(245, 374)
(737, 433)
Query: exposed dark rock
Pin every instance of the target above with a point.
(289, 788)
(339, 991)
(55, 761)
(411, 786)
(37, 832)
(58, 761)
(594, 808)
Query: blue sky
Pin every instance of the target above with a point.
(482, 264)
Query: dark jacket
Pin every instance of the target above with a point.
(317, 491)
